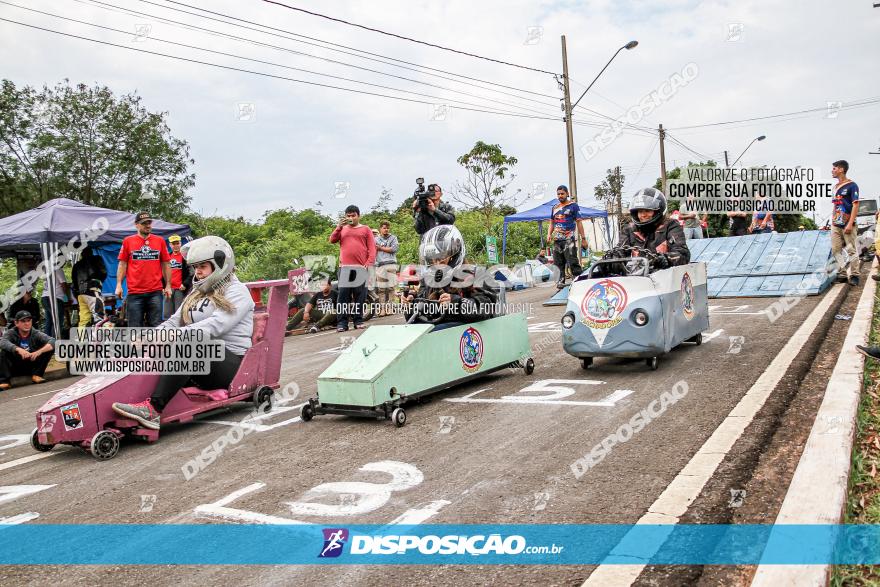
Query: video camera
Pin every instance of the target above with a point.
(423, 194)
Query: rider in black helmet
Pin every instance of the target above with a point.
(652, 229)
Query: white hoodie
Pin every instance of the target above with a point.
(234, 328)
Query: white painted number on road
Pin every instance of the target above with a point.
(351, 498)
(13, 440)
(553, 391)
(11, 493)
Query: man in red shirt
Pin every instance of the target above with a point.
(357, 252)
(144, 263)
(181, 279)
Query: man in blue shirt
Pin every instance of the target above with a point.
(563, 219)
(843, 220)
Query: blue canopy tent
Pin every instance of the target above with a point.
(57, 221)
(542, 213)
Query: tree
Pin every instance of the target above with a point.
(384, 201)
(488, 175)
(86, 144)
(610, 192)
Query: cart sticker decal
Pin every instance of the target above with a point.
(470, 349)
(603, 305)
(687, 296)
(72, 417)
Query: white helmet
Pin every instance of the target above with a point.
(215, 250)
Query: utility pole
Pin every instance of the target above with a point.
(726, 164)
(569, 132)
(662, 135)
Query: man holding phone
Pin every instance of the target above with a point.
(357, 252)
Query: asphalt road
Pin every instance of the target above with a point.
(505, 461)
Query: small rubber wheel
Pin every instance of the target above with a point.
(653, 363)
(264, 399)
(398, 416)
(104, 445)
(307, 413)
(586, 363)
(36, 443)
(698, 339)
(530, 366)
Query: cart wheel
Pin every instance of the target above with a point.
(307, 412)
(36, 443)
(653, 363)
(104, 445)
(264, 400)
(530, 366)
(698, 339)
(586, 362)
(398, 416)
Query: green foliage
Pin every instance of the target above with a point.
(84, 143)
(489, 173)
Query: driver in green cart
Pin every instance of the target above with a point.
(450, 290)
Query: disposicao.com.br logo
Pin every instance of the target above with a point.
(393, 544)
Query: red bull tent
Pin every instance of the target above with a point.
(57, 222)
(541, 213)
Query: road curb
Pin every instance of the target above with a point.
(818, 489)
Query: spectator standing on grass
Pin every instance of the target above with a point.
(692, 226)
(739, 223)
(24, 351)
(843, 219)
(386, 266)
(145, 264)
(357, 253)
(181, 278)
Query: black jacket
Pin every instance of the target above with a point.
(85, 270)
(469, 304)
(425, 221)
(32, 306)
(669, 232)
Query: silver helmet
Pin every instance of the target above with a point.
(648, 199)
(442, 244)
(215, 250)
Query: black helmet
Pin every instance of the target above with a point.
(648, 199)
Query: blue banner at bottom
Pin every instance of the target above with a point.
(563, 544)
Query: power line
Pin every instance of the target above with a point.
(420, 42)
(331, 45)
(158, 39)
(855, 104)
(681, 144)
(263, 74)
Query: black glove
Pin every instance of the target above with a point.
(661, 261)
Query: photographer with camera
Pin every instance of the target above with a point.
(428, 210)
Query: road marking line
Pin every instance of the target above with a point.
(418, 515)
(15, 399)
(686, 486)
(25, 460)
(19, 519)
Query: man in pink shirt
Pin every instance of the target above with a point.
(357, 252)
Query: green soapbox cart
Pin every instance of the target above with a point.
(388, 366)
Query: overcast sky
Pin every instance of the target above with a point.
(755, 58)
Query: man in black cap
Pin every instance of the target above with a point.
(24, 351)
(145, 264)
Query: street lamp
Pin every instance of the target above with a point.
(628, 46)
(760, 138)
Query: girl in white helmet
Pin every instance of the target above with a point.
(218, 304)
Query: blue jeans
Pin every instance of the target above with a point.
(690, 233)
(48, 326)
(144, 309)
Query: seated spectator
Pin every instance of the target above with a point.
(320, 309)
(24, 351)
